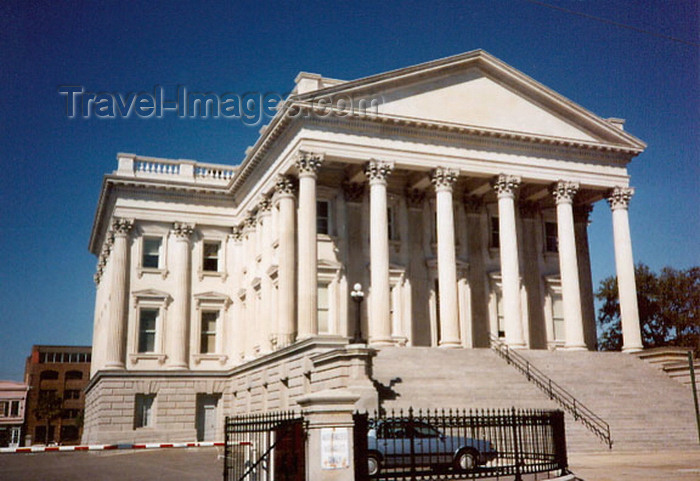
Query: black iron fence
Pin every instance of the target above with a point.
(447, 444)
(578, 410)
(265, 447)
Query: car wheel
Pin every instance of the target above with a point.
(466, 460)
(373, 464)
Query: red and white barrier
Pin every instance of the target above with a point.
(106, 447)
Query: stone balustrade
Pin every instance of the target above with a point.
(180, 170)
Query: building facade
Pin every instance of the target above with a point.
(56, 373)
(456, 191)
(13, 398)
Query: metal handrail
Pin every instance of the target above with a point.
(578, 410)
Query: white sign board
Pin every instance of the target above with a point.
(335, 448)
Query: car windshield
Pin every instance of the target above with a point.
(425, 431)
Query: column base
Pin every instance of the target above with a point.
(632, 349)
(516, 346)
(576, 347)
(386, 342)
(450, 345)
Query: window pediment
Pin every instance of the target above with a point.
(212, 298)
(153, 295)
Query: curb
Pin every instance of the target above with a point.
(107, 447)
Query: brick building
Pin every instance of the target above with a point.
(56, 372)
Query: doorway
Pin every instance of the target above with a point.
(207, 416)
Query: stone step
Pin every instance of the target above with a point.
(644, 407)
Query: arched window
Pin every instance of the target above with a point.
(71, 375)
(49, 375)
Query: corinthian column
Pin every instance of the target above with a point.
(177, 337)
(286, 282)
(380, 309)
(564, 193)
(115, 340)
(307, 165)
(443, 179)
(506, 187)
(619, 200)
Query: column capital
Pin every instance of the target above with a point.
(308, 163)
(284, 186)
(619, 197)
(182, 231)
(377, 171)
(236, 233)
(353, 191)
(121, 226)
(444, 178)
(564, 191)
(506, 185)
(264, 206)
(249, 221)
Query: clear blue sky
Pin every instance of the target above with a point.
(52, 167)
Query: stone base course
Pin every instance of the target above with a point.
(270, 383)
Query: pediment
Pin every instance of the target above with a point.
(212, 297)
(151, 293)
(478, 90)
(474, 98)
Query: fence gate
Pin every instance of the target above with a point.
(265, 447)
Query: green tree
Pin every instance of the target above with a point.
(669, 309)
(47, 409)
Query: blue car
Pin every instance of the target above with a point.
(389, 447)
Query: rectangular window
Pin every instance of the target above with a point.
(14, 409)
(323, 217)
(210, 259)
(558, 318)
(151, 252)
(147, 330)
(71, 394)
(4, 409)
(495, 233)
(323, 309)
(499, 315)
(143, 412)
(208, 337)
(551, 237)
(391, 217)
(47, 393)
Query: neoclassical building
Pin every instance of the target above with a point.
(457, 192)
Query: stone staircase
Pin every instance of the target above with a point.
(644, 407)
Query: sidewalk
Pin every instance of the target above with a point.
(679, 465)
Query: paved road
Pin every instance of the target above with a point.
(206, 464)
(647, 466)
(192, 464)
